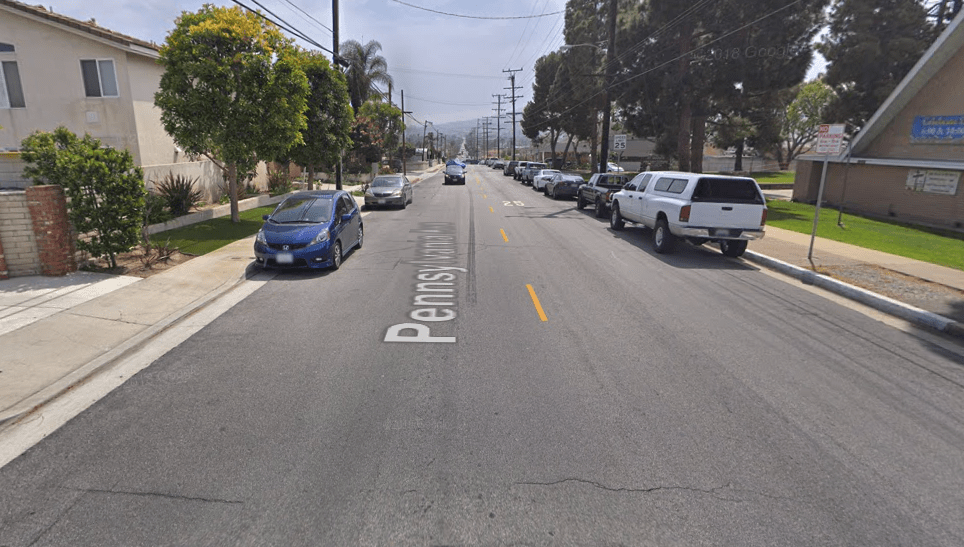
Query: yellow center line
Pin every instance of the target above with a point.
(535, 302)
(485, 196)
(491, 210)
(505, 237)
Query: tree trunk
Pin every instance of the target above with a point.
(565, 152)
(696, 146)
(233, 191)
(738, 162)
(311, 176)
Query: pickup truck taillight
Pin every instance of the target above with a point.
(763, 218)
(684, 214)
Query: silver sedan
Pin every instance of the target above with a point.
(389, 190)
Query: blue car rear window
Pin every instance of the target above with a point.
(303, 210)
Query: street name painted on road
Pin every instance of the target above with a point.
(435, 294)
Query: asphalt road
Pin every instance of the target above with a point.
(671, 400)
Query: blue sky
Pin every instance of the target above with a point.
(449, 67)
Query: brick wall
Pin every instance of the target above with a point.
(35, 234)
(51, 228)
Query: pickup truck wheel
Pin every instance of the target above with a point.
(580, 203)
(733, 247)
(616, 221)
(600, 209)
(663, 240)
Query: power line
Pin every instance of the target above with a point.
(286, 26)
(477, 16)
(324, 26)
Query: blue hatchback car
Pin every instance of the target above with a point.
(310, 230)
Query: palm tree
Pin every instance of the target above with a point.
(365, 67)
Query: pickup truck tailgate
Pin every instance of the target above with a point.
(746, 216)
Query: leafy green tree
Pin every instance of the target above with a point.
(329, 115)
(104, 188)
(232, 90)
(801, 120)
(681, 67)
(365, 68)
(375, 132)
(870, 46)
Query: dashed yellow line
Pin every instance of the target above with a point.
(535, 302)
(491, 210)
(505, 237)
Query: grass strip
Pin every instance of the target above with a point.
(933, 245)
(210, 235)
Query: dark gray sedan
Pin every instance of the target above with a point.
(564, 185)
(389, 190)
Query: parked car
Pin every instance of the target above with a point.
(519, 167)
(510, 168)
(613, 168)
(599, 190)
(728, 210)
(310, 230)
(530, 170)
(454, 174)
(540, 178)
(564, 185)
(389, 190)
(498, 164)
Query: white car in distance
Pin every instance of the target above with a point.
(540, 179)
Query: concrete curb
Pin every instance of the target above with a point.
(78, 376)
(887, 305)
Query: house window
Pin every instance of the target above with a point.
(11, 93)
(99, 78)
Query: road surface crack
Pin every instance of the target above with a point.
(157, 495)
(718, 492)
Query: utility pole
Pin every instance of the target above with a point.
(335, 58)
(513, 87)
(485, 128)
(610, 65)
(424, 127)
(498, 126)
(478, 133)
(404, 170)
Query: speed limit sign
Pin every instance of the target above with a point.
(619, 142)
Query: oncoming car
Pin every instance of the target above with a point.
(310, 230)
(389, 190)
(454, 174)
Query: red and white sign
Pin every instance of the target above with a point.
(830, 139)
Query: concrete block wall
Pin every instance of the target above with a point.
(16, 235)
(35, 233)
(11, 171)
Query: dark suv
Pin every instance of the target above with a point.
(510, 168)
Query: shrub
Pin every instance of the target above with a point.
(105, 190)
(155, 209)
(279, 182)
(386, 170)
(179, 193)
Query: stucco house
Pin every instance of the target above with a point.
(907, 162)
(55, 70)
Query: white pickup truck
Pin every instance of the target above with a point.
(694, 206)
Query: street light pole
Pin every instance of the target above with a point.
(610, 67)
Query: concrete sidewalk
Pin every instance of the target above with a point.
(56, 332)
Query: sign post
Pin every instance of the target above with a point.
(829, 142)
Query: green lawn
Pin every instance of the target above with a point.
(211, 235)
(773, 177)
(936, 246)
